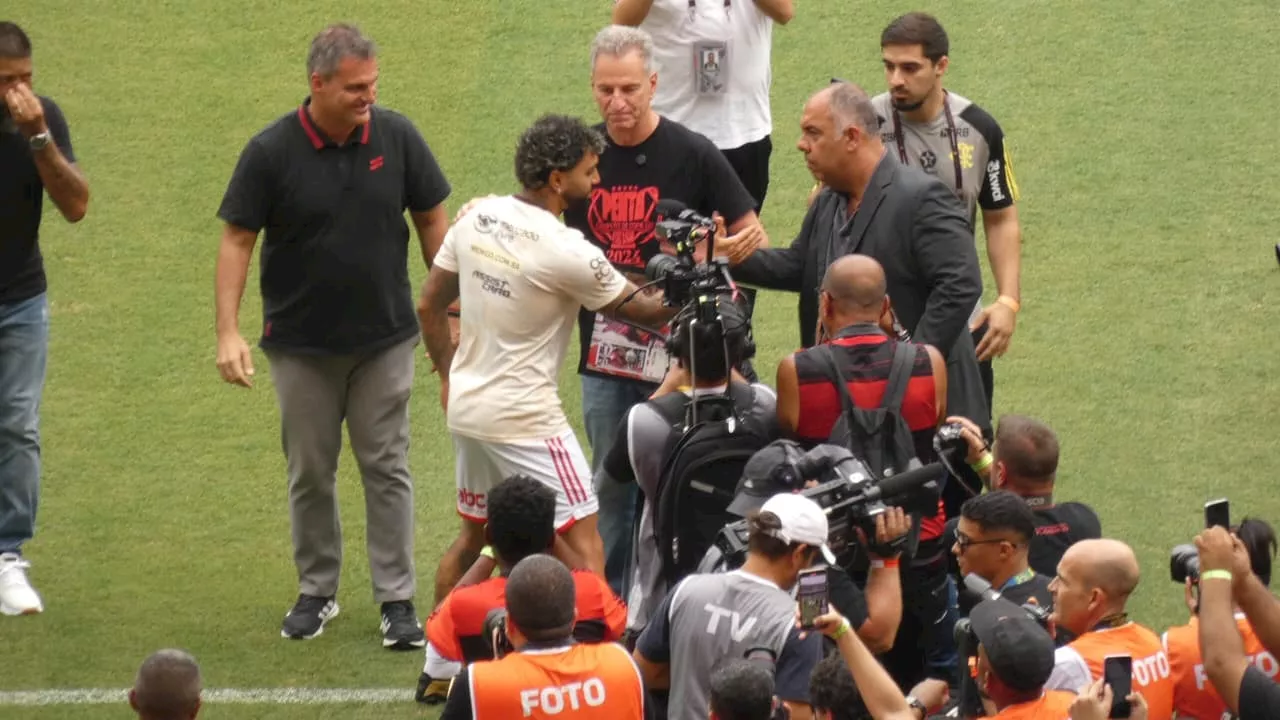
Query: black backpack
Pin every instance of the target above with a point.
(700, 476)
(879, 437)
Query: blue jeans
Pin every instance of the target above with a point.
(605, 403)
(24, 349)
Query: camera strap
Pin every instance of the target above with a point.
(1112, 622)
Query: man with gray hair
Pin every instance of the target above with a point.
(168, 687)
(647, 158)
(329, 182)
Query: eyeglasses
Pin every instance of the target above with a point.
(964, 542)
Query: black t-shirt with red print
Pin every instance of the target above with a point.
(672, 163)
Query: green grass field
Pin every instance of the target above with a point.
(1145, 152)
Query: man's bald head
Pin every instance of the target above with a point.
(856, 286)
(168, 687)
(541, 598)
(1109, 565)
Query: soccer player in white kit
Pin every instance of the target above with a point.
(522, 276)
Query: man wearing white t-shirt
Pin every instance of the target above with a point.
(715, 60)
(522, 275)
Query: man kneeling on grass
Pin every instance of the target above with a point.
(522, 514)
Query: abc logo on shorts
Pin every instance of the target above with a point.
(469, 499)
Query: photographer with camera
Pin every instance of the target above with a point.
(873, 611)
(1227, 578)
(1193, 695)
(1094, 583)
(658, 449)
(1024, 461)
(1015, 659)
(992, 539)
(709, 617)
(842, 384)
(522, 514)
(546, 673)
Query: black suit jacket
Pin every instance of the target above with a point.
(916, 228)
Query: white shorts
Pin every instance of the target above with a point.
(556, 462)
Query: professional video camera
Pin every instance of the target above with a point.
(970, 700)
(683, 278)
(850, 495)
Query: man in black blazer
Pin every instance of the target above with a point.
(917, 229)
(908, 221)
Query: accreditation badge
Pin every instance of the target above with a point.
(711, 67)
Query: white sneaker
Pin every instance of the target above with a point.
(17, 597)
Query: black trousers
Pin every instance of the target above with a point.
(959, 489)
(751, 163)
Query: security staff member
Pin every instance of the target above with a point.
(548, 675)
(330, 182)
(959, 143)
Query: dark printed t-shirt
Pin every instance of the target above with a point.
(672, 163)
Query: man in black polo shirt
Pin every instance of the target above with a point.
(329, 182)
(647, 158)
(35, 157)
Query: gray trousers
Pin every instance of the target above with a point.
(371, 392)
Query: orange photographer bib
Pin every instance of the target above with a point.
(1193, 695)
(1053, 705)
(590, 682)
(1151, 674)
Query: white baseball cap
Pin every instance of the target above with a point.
(803, 521)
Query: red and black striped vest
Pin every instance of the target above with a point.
(865, 355)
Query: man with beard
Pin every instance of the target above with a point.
(648, 158)
(522, 277)
(956, 141)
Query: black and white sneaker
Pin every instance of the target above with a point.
(400, 627)
(308, 616)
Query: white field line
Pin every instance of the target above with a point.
(218, 696)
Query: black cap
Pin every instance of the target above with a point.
(770, 471)
(1019, 649)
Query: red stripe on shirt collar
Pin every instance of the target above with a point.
(318, 142)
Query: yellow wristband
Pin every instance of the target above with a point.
(1010, 303)
(844, 630)
(1216, 575)
(983, 463)
(487, 551)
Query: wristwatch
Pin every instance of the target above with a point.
(40, 141)
(916, 704)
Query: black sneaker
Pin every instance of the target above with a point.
(431, 691)
(308, 616)
(400, 627)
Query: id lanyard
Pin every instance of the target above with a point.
(902, 146)
(693, 8)
(1018, 579)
